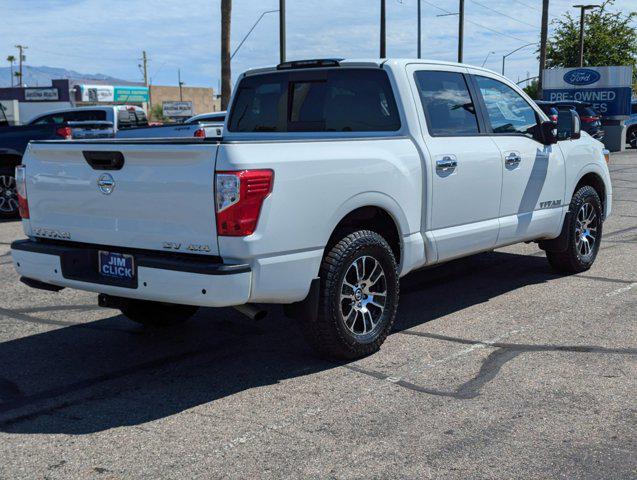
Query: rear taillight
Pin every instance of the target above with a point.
(238, 199)
(65, 132)
(200, 133)
(21, 189)
(589, 119)
(553, 118)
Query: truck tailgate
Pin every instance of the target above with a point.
(160, 198)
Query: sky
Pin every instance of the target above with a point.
(108, 36)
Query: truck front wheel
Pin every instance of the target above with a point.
(156, 314)
(358, 297)
(582, 232)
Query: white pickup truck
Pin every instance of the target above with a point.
(333, 179)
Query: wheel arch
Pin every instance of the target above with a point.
(376, 216)
(10, 159)
(594, 179)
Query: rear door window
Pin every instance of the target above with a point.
(447, 103)
(337, 100)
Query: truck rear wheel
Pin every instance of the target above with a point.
(156, 314)
(583, 231)
(8, 194)
(358, 297)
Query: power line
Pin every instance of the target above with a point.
(476, 23)
(504, 14)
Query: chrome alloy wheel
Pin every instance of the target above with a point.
(363, 295)
(586, 228)
(8, 195)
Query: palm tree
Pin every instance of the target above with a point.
(226, 86)
(11, 60)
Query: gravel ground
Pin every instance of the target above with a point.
(497, 368)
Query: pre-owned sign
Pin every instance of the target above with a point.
(608, 89)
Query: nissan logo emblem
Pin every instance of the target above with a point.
(106, 183)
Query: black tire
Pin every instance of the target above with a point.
(156, 314)
(578, 257)
(356, 326)
(8, 194)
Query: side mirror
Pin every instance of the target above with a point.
(569, 125)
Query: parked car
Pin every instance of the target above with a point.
(206, 125)
(631, 125)
(212, 117)
(14, 140)
(333, 179)
(591, 120)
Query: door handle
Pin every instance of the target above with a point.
(446, 163)
(512, 159)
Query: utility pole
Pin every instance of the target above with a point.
(226, 82)
(383, 39)
(419, 31)
(460, 30)
(21, 59)
(544, 32)
(281, 31)
(582, 19)
(181, 84)
(145, 67)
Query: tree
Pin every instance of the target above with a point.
(226, 75)
(11, 60)
(609, 39)
(532, 89)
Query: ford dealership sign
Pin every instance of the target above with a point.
(607, 89)
(581, 76)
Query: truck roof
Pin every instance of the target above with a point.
(361, 62)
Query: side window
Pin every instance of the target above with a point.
(447, 103)
(508, 112)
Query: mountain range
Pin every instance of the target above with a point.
(41, 76)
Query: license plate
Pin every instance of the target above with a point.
(116, 265)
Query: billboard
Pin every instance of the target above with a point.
(177, 109)
(608, 89)
(110, 94)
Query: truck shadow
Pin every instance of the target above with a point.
(93, 376)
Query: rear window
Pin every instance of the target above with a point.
(71, 116)
(131, 119)
(338, 100)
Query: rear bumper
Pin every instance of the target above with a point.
(160, 277)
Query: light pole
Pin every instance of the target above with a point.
(487, 57)
(250, 31)
(504, 57)
(582, 16)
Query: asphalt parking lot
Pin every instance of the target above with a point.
(497, 368)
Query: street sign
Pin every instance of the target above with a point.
(177, 109)
(41, 94)
(608, 89)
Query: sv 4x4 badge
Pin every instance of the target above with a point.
(191, 247)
